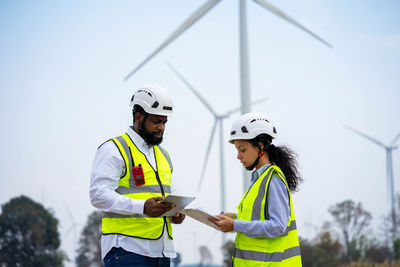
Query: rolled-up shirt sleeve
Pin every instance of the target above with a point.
(278, 211)
(107, 168)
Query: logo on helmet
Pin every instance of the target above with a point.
(142, 90)
(259, 119)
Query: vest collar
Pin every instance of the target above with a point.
(257, 173)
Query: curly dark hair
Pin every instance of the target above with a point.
(283, 157)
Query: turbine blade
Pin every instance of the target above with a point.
(395, 139)
(202, 99)
(68, 232)
(207, 154)
(69, 213)
(282, 15)
(238, 109)
(201, 11)
(365, 136)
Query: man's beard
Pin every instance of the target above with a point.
(150, 138)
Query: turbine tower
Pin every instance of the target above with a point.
(218, 121)
(72, 228)
(389, 171)
(243, 54)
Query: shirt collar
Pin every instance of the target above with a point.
(257, 173)
(137, 139)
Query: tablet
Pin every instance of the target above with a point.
(180, 203)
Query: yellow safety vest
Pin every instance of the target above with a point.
(157, 183)
(261, 251)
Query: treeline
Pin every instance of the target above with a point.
(348, 240)
(29, 237)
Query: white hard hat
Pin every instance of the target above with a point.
(154, 99)
(250, 125)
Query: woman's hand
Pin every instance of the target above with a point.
(225, 224)
(229, 214)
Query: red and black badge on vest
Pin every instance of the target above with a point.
(138, 175)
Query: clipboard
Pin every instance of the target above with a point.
(202, 216)
(180, 203)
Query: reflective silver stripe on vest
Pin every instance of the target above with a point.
(267, 257)
(143, 189)
(167, 157)
(256, 212)
(291, 227)
(130, 160)
(116, 215)
(133, 188)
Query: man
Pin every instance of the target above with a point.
(131, 174)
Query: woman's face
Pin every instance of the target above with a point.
(247, 153)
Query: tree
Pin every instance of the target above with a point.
(29, 235)
(89, 251)
(323, 251)
(205, 255)
(177, 260)
(352, 220)
(228, 249)
(388, 229)
(396, 249)
(378, 253)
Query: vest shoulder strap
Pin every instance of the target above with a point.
(276, 175)
(103, 143)
(166, 155)
(125, 168)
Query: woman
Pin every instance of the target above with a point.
(265, 222)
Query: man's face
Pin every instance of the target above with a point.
(153, 129)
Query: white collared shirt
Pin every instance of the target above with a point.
(107, 168)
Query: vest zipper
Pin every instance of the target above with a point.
(156, 171)
(159, 183)
(162, 192)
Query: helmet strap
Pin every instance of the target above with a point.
(252, 166)
(260, 154)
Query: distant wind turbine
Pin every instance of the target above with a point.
(218, 120)
(389, 171)
(72, 228)
(243, 60)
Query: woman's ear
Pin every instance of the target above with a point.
(261, 145)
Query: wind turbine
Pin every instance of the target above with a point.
(72, 228)
(218, 121)
(243, 58)
(389, 171)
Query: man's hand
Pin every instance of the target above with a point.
(153, 208)
(225, 224)
(177, 218)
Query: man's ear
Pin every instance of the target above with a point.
(138, 117)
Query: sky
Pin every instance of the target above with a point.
(62, 94)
